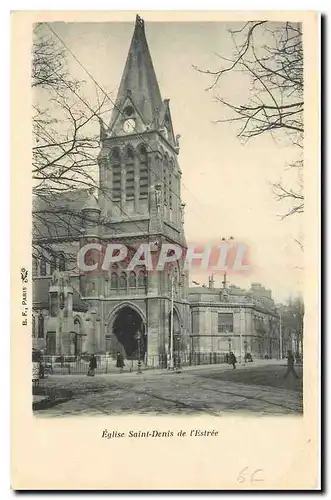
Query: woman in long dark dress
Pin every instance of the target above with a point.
(119, 361)
(92, 366)
(232, 360)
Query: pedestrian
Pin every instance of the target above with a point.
(92, 366)
(62, 361)
(232, 360)
(290, 365)
(36, 356)
(120, 361)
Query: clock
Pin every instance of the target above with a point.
(129, 126)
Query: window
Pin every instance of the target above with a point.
(143, 172)
(53, 304)
(132, 280)
(41, 326)
(78, 337)
(106, 287)
(114, 281)
(123, 280)
(170, 184)
(115, 159)
(166, 180)
(53, 264)
(128, 111)
(129, 168)
(34, 266)
(77, 326)
(141, 279)
(42, 266)
(225, 322)
(62, 263)
(51, 343)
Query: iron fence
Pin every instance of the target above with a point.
(70, 365)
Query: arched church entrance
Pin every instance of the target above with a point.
(129, 330)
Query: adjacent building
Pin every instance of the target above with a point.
(233, 319)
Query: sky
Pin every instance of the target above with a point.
(225, 184)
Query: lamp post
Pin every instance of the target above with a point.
(241, 336)
(280, 334)
(180, 284)
(138, 337)
(172, 324)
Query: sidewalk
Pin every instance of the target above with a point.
(165, 371)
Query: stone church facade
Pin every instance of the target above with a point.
(138, 202)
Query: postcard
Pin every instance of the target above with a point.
(165, 250)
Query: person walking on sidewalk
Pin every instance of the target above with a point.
(290, 365)
(232, 360)
(120, 361)
(92, 366)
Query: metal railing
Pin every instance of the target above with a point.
(70, 365)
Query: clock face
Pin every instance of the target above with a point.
(129, 126)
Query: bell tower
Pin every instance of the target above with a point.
(139, 169)
(140, 179)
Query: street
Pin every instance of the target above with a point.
(215, 390)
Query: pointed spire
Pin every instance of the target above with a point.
(139, 78)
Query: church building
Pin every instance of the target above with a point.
(138, 202)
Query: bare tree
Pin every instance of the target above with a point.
(65, 146)
(293, 318)
(271, 56)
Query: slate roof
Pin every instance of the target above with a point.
(40, 289)
(58, 215)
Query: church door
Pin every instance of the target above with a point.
(126, 326)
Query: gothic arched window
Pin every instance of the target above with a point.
(34, 266)
(53, 304)
(141, 278)
(129, 169)
(42, 266)
(62, 263)
(53, 264)
(33, 326)
(143, 172)
(166, 179)
(132, 280)
(116, 168)
(41, 326)
(170, 184)
(122, 280)
(114, 281)
(106, 292)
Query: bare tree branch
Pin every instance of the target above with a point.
(270, 55)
